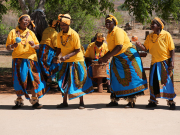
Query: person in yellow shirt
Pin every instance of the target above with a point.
(73, 78)
(26, 73)
(47, 49)
(161, 46)
(94, 51)
(127, 76)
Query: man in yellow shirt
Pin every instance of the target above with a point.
(161, 47)
(73, 78)
(94, 51)
(26, 73)
(48, 46)
(127, 75)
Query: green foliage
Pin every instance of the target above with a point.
(4, 29)
(142, 9)
(122, 7)
(3, 9)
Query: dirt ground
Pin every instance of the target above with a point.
(6, 85)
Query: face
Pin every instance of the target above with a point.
(99, 43)
(24, 22)
(109, 24)
(64, 27)
(154, 26)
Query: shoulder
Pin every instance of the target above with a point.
(74, 33)
(104, 44)
(31, 33)
(166, 33)
(13, 31)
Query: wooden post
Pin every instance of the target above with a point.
(100, 85)
(147, 33)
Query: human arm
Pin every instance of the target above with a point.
(143, 48)
(70, 55)
(110, 54)
(171, 64)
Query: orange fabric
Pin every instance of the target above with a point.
(118, 37)
(159, 20)
(100, 37)
(72, 42)
(159, 46)
(112, 17)
(49, 37)
(22, 16)
(100, 52)
(63, 19)
(23, 50)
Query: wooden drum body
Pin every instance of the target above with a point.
(99, 70)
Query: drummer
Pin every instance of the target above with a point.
(94, 51)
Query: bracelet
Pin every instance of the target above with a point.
(33, 46)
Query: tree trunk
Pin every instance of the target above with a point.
(41, 4)
(24, 7)
(31, 6)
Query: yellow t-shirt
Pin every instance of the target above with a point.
(49, 37)
(93, 51)
(159, 46)
(118, 37)
(71, 42)
(23, 50)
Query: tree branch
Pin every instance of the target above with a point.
(24, 7)
(41, 4)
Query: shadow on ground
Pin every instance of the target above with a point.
(89, 107)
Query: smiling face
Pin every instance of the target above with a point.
(109, 24)
(24, 22)
(154, 26)
(64, 27)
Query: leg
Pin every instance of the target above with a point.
(171, 104)
(81, 104)
(64, 104)
(34, 100)
(19, 103)
(108, 86)
(131, 102)
(114, 100)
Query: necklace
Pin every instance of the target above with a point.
(152, 38)
(64, 42)
(97, 57)
(26, 36)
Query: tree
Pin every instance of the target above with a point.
(3, 9)
(143, 9)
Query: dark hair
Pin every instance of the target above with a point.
(158, 24)
(50, 22)
(40, 23)
(114, 21)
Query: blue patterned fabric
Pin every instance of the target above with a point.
(127, 75)
(73, 78)
(45, 57)
(26, 72)
(164, 81)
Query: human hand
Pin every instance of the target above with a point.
(14, 45)
(31, 43)
(55, 59)
(64, 58)
(171, 67)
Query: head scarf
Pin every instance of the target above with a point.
(110, 17)
(54, 23)
(100, 37)
(65, 18)
(159, 20)
(32, 22)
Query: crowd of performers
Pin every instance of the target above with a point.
(60, 56)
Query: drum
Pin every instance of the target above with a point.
(99, 70)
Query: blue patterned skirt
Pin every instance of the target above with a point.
(73, 78)
(45, 56)
(161, 81)
(127, 75)
(26, 75)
